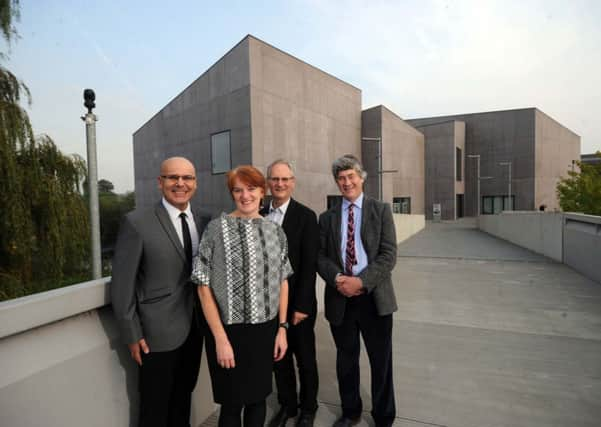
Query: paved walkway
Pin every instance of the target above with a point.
(487, 334)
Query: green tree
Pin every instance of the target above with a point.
(43, 219)
(581, 191)
(112, 208)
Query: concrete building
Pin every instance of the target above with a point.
(257, 104)
(401, 179)
(534, 147)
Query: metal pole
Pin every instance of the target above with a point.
(510, 202)
(380, 171)
(478, 186)
(380, 195)
(90, 120)
(508, 164)
(477, 157)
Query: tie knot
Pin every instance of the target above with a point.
(183, 215)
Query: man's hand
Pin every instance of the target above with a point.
(281, 345)
(298, 317)
(136, 349)
(349, 286)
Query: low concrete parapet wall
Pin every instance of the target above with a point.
(62, 363)
(541, 232)
(407, 225)
(571, 238)
(582, 244)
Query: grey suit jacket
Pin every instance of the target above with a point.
(150, 290)
(379, 240)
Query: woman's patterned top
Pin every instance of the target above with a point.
(243, 261)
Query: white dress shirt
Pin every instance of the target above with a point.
(174, 213)
(277, 214)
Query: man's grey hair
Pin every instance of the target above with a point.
(279, 162)
(346, 162)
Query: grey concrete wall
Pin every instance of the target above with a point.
(541, 232)
(440, 167)
(555, 148)
(303, 114)
(218, 100)
(371, 127)
(460, 143)
(407, 225)
(403, 151)
(498, 136)
(63, 363)
(582, 244)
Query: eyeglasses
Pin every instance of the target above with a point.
(176, 178)
(283, 180)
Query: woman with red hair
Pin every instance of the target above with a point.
(241, 271)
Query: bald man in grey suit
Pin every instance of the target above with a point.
(153, 301)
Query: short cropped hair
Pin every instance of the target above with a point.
(346, 162)
(279, 162)
(248, 175)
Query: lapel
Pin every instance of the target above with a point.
(335, 224)
(365, 218)
(290, 219)
(167, 225)
(199, 222)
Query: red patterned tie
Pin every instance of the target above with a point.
(350, 259)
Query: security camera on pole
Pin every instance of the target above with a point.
(90, 120)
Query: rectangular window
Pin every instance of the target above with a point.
(496, 204)
(221, 159)
(458, 163)
(401, 205)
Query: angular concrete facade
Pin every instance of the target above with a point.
(445, 185)
(402, 158)
(539, 149)
(273, 106)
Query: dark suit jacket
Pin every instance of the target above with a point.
(379, 240)
(150, 290)
(302, 232)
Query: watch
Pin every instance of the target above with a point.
(284, 325)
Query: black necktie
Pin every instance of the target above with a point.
(187, 240)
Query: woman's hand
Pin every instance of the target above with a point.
(281, 345)
(225, 353)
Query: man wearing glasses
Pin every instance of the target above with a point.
(153, 301)
(300, 225)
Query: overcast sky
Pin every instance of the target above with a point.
(419, 58)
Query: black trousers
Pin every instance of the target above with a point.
(301, 345)
(167, 380)
(361, 317)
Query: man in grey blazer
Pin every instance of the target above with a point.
(356, 256)
(154, 303)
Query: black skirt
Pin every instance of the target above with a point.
(250, 381)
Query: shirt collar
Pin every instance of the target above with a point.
(283, 208)
(358, 202)
(175, 212)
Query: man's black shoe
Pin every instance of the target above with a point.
(346, 422)
(305, 419)
(279, 419)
